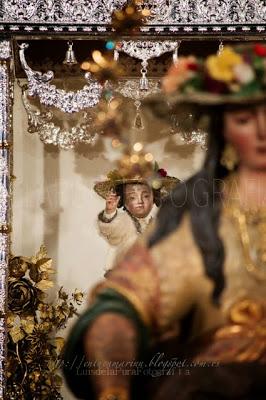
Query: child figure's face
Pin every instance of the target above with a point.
(138, 199)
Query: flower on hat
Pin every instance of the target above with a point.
(221, 67)
(184, 70)
(162, 172)
(260, 50)
(243, 73)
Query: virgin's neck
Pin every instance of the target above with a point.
(252, 187)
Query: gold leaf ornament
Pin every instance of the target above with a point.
(45, 265)
(10, 321)
(45, 310)
(44, 285)
(42, 253)
(28, 324)
(59, 344)
(78, 297)
(16, 334)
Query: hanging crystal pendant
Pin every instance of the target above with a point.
(144, 83)
(70, 58)
(221, 48)
(138, 124)
(175, 53)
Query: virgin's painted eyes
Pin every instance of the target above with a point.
(243, 119)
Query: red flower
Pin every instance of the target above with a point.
(214, 86)
(260, 50)
(192, 67)
(162, 172)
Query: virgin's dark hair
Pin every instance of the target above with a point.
(199, 196)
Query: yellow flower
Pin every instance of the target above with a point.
(178, 74)
(221, 67)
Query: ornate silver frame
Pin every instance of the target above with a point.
(6, 102)
(36, 19)
(168, 17)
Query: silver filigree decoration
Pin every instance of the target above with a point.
(146, 49)
(133, 89)
(5, 124)
(4, 196)
(49, 95)
(3, 165)
(3, 102)
(41, 123)
(47, 11)
(163, 12)
(5, 50)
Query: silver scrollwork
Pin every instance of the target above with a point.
(5, 137)
(52, 11)
(49, 95)
(131, 88)
(146, 49)
(5, 50)
(167, 12)
(42, 124)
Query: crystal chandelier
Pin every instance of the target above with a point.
(42, 123)
(144, 50)
(132, 89)
(69, 102)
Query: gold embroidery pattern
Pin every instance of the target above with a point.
(243, 339)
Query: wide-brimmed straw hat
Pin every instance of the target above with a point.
(235, 75)
(160, 181)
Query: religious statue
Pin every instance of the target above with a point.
(139, 202)
(195, 283)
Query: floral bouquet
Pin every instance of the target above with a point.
(234, 74)
(33, 347)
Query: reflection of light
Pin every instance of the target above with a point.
(156, 184)
(130, 10)
(114, 104)
(101, 116)
(134, 159)
(148, 157)
(196, 136)
(138, 146)
(116, 143)
(110, 45)
(98, 58)
(146, 12)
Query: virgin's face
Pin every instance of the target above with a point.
(138, 199)
(245, 129)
